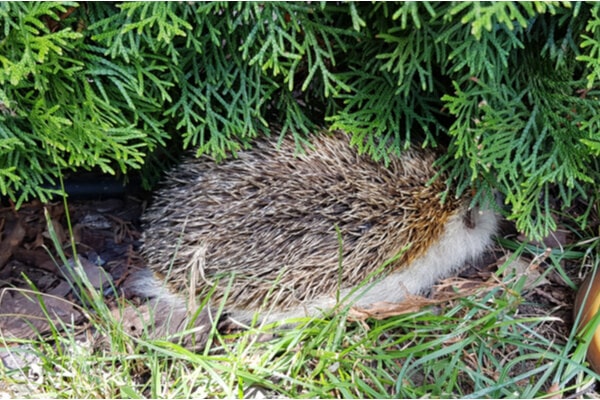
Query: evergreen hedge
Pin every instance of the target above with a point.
(511, 88)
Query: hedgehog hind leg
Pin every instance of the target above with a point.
(165, 315)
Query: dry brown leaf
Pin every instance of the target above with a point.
(59, 230)
(454, 287)
(553, 390)
(522, 268)
(10, 242)
(447, 290)
(160, 320)
(132, 319)
(38, 257)
(22, 315)
(95, 274)
(383, 310)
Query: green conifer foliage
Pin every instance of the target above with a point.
(509, 88)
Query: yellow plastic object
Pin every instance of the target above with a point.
(591, 287)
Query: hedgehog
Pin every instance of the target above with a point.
(280, 233)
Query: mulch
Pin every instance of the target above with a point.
(106, 234)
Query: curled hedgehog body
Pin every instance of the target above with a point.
(288, 234)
